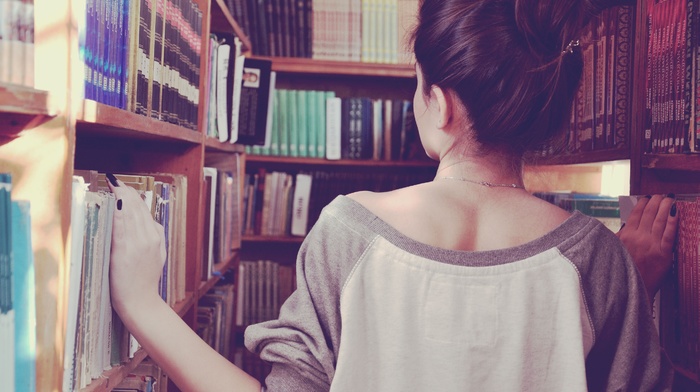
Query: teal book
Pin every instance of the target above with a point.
(275, 129)
(302, 124)
(23, 290)
(7, 311)
(312, 123)
(292, 123)
(283, 123)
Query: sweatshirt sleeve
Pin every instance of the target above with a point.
(302, 344)
(626, 355)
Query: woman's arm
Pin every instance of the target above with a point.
(137, 258)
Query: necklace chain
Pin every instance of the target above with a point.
(484, 183)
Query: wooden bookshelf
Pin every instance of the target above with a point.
(271, 240)
(222, 21)
(306, 66)
(22, 108)
(275, 161)
(112, 377)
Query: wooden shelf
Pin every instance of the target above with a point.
(222, 20)
(21, 108)
(585, 157)
(297, 65)
(219, 270)
(104, 120)
(273, 239)
(112, 377)
(681, 162)
(185, 305)
(213, 144)
(266, 159)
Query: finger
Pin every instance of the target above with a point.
(662, 216)
(650, 212)
(636, 214)
(670, 230)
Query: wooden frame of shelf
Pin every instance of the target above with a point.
(222, 20)
(297, 65)
(22, 108)
(296, 161)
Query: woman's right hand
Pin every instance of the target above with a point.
(138, 249)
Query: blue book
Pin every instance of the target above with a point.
(7, 311)
(24, 298)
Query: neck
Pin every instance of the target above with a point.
(493, 169)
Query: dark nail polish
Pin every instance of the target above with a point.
(671, 195)
(119, 204)
(673, 210)
(112, 179)
(623, 226)
(648, 196)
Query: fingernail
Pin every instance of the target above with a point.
(112, 179)
(671, 195)
(673, 210)
(623, 226)
(119, 204)
(648, 196)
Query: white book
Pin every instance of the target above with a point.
(236, 94)
(300, 204)
(222, 59)
(5, 43)
(333, 123)
(270, 110)
(212, 174)
(75, 271)
(7, 354)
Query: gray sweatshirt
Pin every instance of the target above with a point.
(377, 311)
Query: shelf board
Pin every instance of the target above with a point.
(681, 162)
(273, 239)
(584, 157)
(112, 377)
(298, 65)
(21, 108)
(219, 270)
(266, 159)
(213, 144)
(100, 119)
(182, 307)
(223, 21)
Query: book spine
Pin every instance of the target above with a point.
(302, 124)
(334, 115)
(311, 115)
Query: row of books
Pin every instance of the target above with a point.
(263, 285)
(222, 212)
(601, 110)
(239, 93)
(17, 42)
(146, 377)
(317, 124)
(288, 204)
(680, 299)
(17, 293)
(604, 208)
(276, 203)
(143, 56)
(215, 313)
(95, 337)
(672, 77)
(373, 31)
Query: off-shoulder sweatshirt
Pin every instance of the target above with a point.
(377, 311)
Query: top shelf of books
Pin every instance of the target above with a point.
(298, 65)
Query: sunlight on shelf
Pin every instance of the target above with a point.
(615, 179)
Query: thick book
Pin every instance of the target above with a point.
(334, 118)
(255, 90)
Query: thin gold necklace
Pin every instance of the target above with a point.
(484, 183)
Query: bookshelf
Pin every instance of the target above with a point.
(48, 131)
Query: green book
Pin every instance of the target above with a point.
(302, 124)
(312, 123)
(275, 130)
(283, 123)
(292, 123)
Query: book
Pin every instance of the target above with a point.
(300, 204)
(210, 189)
(255, 90)
(334, 116)
(7, 306)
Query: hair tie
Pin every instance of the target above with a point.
(570, 46)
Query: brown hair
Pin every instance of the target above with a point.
(506, 60)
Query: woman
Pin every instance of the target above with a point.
(466, 282)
